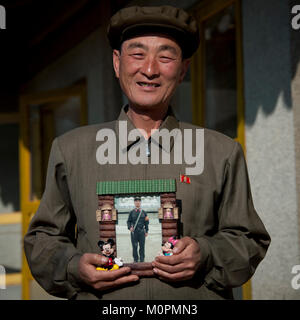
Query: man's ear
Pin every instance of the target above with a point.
(116, 62)
(184, 69)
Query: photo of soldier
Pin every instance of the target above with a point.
(138, 224)
(124, 205)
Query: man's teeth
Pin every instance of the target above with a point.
(144, 84)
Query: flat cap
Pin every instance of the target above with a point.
(137, 21)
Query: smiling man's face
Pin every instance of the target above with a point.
(149, 69)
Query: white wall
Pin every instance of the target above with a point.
(270, 141)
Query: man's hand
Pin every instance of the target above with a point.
(182, 265)
(102, 280)
(131, 229)
(146, 234)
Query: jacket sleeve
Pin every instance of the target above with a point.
(50, 241)
(231, 255)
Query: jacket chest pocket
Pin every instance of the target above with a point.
(198, 212)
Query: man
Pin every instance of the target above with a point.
(138, 224)
(222, 238)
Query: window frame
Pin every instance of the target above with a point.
(203, 11)
(28, 206)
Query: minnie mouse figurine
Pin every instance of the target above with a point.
(107, 250)
(167, 247)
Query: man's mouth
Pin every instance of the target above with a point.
(148, 84)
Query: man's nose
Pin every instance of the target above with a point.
(150, 68)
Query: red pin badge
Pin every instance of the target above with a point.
(185, 179)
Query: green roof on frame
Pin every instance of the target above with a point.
(136, 186)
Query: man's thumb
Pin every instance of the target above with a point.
(95, 259)
(179, 246)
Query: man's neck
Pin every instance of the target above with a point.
(146, 120)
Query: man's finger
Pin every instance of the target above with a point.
(110, 275)
(169, 268)
(181, 245)
(123, 280)
(175, 277)
(171, 260)
(95, 259)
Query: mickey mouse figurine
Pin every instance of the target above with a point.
(107, 250)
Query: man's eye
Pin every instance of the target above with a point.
(166, 59)
(138, 55)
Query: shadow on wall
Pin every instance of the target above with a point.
(271, 51)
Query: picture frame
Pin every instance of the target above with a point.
(158, 208)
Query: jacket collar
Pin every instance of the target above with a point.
(170, 122)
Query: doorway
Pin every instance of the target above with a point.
(217, 77)
(44, 116)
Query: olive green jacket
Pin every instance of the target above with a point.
(216, 210)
